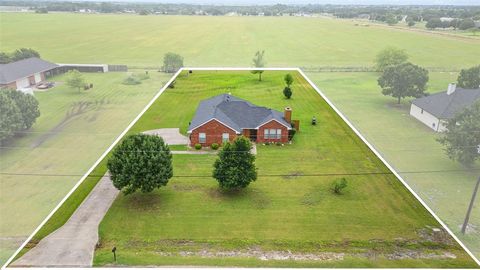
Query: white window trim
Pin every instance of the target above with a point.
(200, 137)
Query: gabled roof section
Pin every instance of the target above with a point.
(444, 106)
(20, 69)
(235, 113)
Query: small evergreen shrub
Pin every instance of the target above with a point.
(339, 185)
(131, 80)
(198, 146)
(214, 146)
(287, 92)
(278, 143)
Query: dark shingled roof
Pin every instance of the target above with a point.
(234, 112)
(444, 106)
(20, 69)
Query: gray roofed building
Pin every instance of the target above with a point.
(21, 70)
(445, 106)
(436, 109)
(235, 113)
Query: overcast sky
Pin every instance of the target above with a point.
(271, 2)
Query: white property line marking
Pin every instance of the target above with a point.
(241, 69)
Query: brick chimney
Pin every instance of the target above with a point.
(288, 114)
(451, 88)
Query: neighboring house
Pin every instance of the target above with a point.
(435, 110)
(224, 117)
(24, 73)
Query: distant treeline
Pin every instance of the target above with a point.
(388, 14)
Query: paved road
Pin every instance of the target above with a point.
(73, 244)
(171, 136)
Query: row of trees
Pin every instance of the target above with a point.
(18, 112)
(144, 162)
(375, 12)
(19, 54)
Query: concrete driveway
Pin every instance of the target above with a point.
(73, 244)
(171, 136)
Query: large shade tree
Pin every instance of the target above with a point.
(462, 137)
(172, 62)
(75, 79)
(18, 112)
(235, 166)
(469, 78)
(404, 80)
(390, 56)
(141, 162)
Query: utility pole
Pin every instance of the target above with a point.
(470, 207)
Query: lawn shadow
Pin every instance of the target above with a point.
(143, 201)
(256, 197)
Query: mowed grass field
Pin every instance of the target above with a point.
(411, 147)
(289, 209)
(74, 129)
(224, 41)
(221, 41)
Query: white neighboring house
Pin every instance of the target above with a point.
(435, 110)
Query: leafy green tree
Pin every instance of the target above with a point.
(469, 78)
(235, 166)
(75, 79)
(404, 80)
(462, 140)
(24, 53)
(287, 91)
(288, 79)
(172, 62)
(391, 19)
(28, 106)
(10, 116)
(5, 58)
(258, 62)
(411, 23)
(466, 24)
(390, 56)
(141, 162)
(434, 23)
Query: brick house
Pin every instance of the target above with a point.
(222, 118)
(25, 73)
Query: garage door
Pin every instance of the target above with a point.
(23, 83)
(38, 78)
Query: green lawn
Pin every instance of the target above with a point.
(213, 41)
(45, 163)
(289, 208)
(223, 41)
(408, 145)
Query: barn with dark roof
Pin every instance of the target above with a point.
(222, 118)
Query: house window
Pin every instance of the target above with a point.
(225, 137)
(202, 137)
(272, 133)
